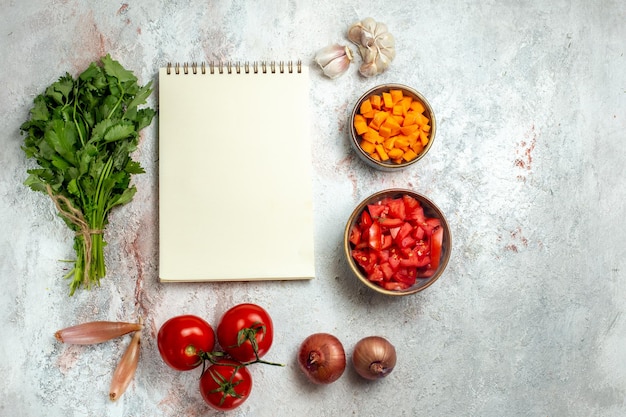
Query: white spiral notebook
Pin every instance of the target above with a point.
(235, 185)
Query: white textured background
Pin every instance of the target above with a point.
(528, 164)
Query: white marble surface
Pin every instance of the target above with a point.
(528, 164)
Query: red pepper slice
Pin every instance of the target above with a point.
(436, 242)
(374, 236)
(355, 235)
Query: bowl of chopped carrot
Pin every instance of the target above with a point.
(392, 127)
(397, 242)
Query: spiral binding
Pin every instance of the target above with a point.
(229, 67)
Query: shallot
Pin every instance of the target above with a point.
(95, 332)
(126, 368)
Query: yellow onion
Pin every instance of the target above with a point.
(126, 368)
(95, 332)
(374, 357)
(322, 358)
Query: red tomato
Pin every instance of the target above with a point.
(435, 247)
(374, 236)
(182, 340)
(226, 385)
(355, 236)
(243, 329)
(394, 243)
(397, 209)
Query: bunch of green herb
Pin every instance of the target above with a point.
(82, 132)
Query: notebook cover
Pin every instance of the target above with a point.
(235, 186)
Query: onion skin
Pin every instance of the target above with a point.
(322, 358)
(374, 357)
(95, 332)
(126, 368)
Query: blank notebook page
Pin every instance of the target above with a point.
(235, 186)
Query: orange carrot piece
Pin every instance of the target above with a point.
(395, 153)
(380, 150)
(378, 119)
(407, 130)
(389, 143)
(376, 102)
(409, 155)
(360, 127)
(387, 100)
(396, 96)
(422, 120)
(398, 110)
(417, 107)
(410, 119)
(369, 114)
(385, 130)
(417, 147)
(372, 136)
(366, 107)
(367, 146)
(406, 103)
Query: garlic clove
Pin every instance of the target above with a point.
(336, 68)
(369, 24)
(380, 29)
(324, 56)
(382, 62)
(368, 69)
(334, 60)
(389, 53)
(385, 40)
(354, 34)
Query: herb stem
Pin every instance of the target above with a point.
(75, 100)
(122, 93)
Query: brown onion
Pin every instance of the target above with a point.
(322, 358)
(374, 357)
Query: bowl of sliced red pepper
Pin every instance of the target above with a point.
(397, 242)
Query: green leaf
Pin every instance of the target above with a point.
(60, 91)
(125, 197)
(144, 118)
(133, 167)
(40, 109)
(100, 129)
(119, 131)
(140, 97)
(72, 187)
(35, 183)
(85, 156)
(93, 72)
(115, 69)
(61, 137)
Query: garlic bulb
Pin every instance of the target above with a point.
(334, 60)
(376, 45)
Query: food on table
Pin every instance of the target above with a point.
(245, 332)
(392, 126)
(82, 132)
(322, 358)
(374, 357)
(394, 243)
